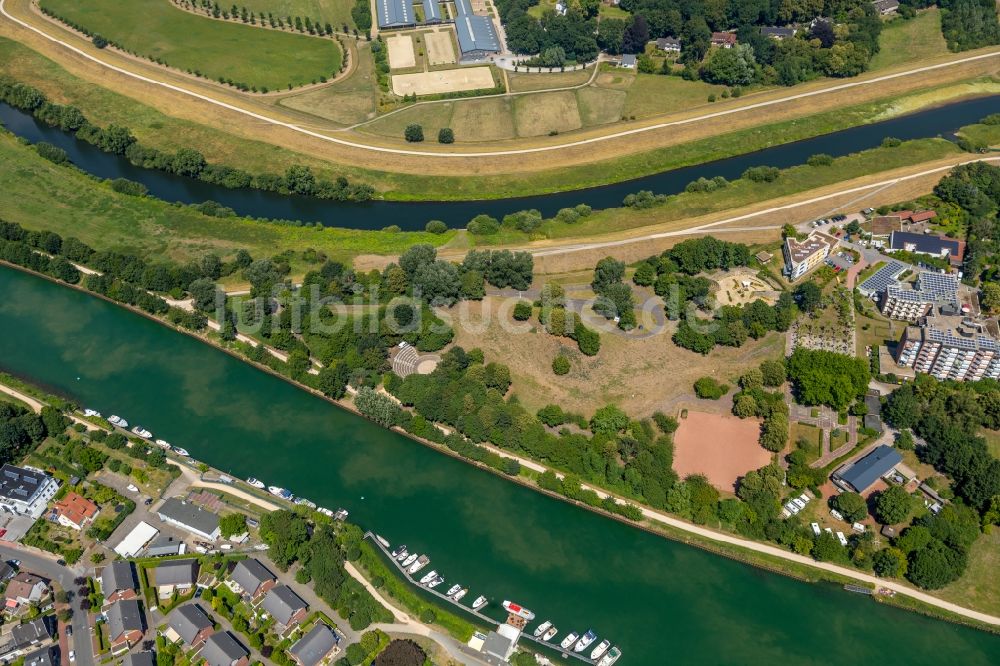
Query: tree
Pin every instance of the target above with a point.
(774, 432)
(808, 296)
(893, 505)
(773, 372)
(935, 566)
(608, 420)
(560, 365)
(645, 274)
(413, 133)
(416, 256)
(889, 563)
(232, 525)
(608, 272)
(850, 505)
(436, 227)
(636, 35)
(438, 282)
(990, 299)
(522, 310)
(284, 532)
(446, 135)
(732, 67)
(203, 291)
(709, 388)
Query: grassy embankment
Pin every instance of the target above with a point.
(41, 195)
(165, 132)
(903, 42)
(241, 53)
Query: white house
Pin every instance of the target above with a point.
(25, 492)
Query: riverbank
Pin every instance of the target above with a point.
(755, 553)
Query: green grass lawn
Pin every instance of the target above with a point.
(992, 438)
(240, 53)
(336, 12)
(810, 434)
(41, 195)
(348, 101)
(979, 587)
(902, 41)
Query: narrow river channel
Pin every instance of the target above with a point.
(662, 602)
(410, 216)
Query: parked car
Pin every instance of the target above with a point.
(72, 655)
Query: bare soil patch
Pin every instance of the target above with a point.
(401, 55)
(442, 81)
(440, 50)
(722, 447)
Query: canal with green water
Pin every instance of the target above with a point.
(662, 602)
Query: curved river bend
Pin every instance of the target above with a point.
(662, 602)
(414, 215)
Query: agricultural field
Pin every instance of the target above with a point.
(265, 59)
(336, 12)
(903, 42)
(346, 102)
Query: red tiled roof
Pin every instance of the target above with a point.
(923, 216)
(75, 508)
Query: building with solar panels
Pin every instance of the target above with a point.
(477, 37)
(395, 14)
(432, 11)
(964, 353)
(901, 301)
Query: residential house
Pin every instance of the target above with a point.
(25, 492)
(316, 647)
(46, 656)
(886, 7)
(669, 44)
(862, 474)
(628, 61)
(190, 517)
(178, 576)
(145, 658)
(190, 624)
(24, 589)
(286, 607)
(252, 578)
(165, 545)
(222, 649)
(75, 511)
(118, 581)
(28, 636)
(133, 542)
(777, 33)
(805, 255)
(726, 40)
(6, 571)
(126, 624)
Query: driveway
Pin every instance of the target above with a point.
(46, 566)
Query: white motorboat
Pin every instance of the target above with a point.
(542, 628)
(402, 556)
(91, 412)
(437, 581)
(569, 640)
(396, 553)
(422, 561)
(550, 634)
(181, 452)
(325, 511)
(163, 444)
(585, 640)
(142, 432)
(428, 577)
(453, 589)
(479, 602)
(381, 540)
(302, 501)
(409, 560)
(611, 657)
(278, 491)
(461, 593)
(255, 483)
(520, 611)
(599, 651)
(117, 421)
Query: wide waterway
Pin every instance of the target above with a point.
(662, 602)
(414, 215)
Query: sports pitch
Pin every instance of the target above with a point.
(443, 81)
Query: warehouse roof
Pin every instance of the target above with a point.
(392, 13)
(862, 474)
(475, 33)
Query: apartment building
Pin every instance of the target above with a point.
(805, 255)
(964, 353)
(910, 303)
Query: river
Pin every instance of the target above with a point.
(660, 601)
(410, 216)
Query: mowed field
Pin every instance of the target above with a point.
(348, 101)
(241, 53)
(903, 42)
(336, 12)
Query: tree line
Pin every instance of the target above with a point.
(119, 140)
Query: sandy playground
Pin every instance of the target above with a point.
(743, 288)
(722, 447)
(445, 80)
(401, 53)
(440, 50)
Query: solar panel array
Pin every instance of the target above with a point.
(938, 287)
(882, 278)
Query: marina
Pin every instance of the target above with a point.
(516, 611)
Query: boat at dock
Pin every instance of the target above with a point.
(428, 577)
(325, 511)
(520, 611)
(550, 634)
(422, 561)
(255, 483)
(411, 558)
(278, 491)
(340, 514)
(611, 657)
(569, 640)
(91, 412)
(599, 651)
(302, 501)
(163, 444)
(453, 589)
(382, 541)
(399, 551)
(437, 581)
(479, 602)
(142, 432)
(117, 421)
(461, 593)
(181, 452)
(585, 640)
(542, 628)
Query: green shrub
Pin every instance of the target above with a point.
(560, 365)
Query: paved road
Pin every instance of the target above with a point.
(46, 566)
(495, 153)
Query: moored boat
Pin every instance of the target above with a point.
(340, 514)
(611, 657)
(255, 483)
(278, 491)
(428, 577)
(380, 539)
(142, 432)
(479, 602)
(302, 501)
(542, 628)
(461, 593)
(585, 640)
(569, 640)
(181, 452)
(453, 589)
(550, 634)
(437, 581)
(91, 412)
(411, 558)
(518, 610)
(601, 648)
(325, 511)
(403, 556)
(422, 561)
(401, 549)
(163, 444)
(118, 421)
